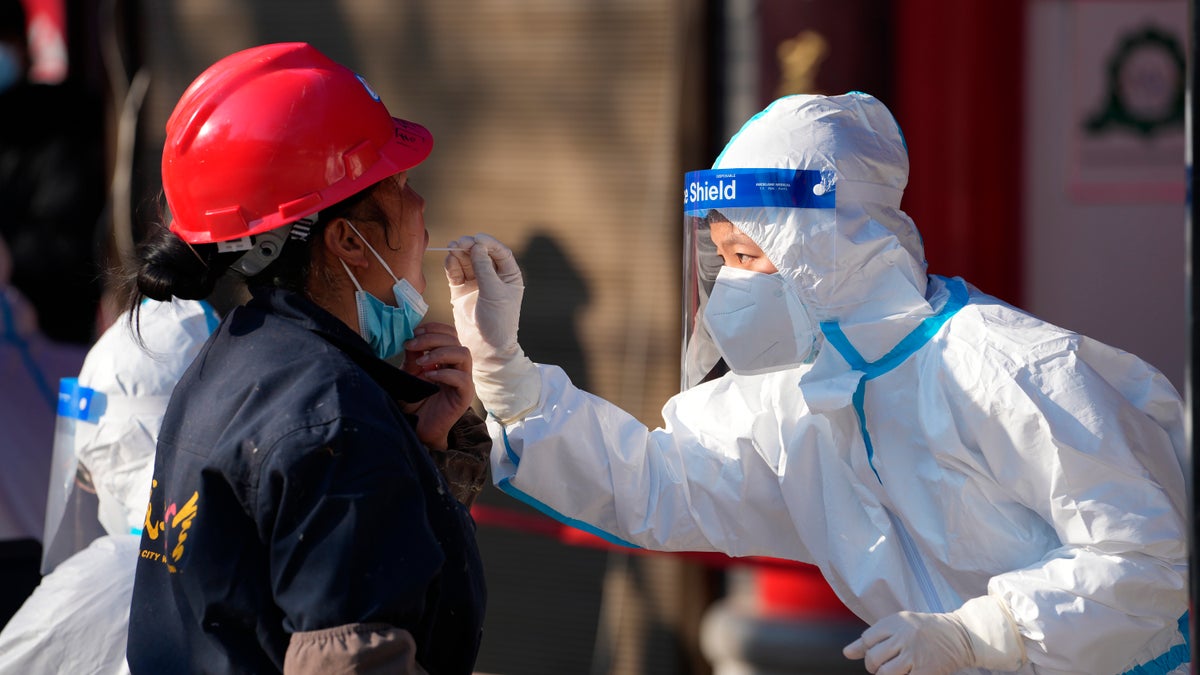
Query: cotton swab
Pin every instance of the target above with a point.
(434, 248)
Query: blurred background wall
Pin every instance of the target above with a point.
(1046, 143)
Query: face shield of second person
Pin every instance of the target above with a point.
(108, 422)
(71, 505)
(736, 319)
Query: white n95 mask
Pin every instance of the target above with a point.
(758, 322)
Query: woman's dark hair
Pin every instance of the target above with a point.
(167, 266)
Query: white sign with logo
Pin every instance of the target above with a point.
(1129, 83)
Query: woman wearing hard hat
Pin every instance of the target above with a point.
(302, 515)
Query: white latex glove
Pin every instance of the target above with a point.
(980, 634)
(485, 292)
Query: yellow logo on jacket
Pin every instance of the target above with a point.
(172, 527)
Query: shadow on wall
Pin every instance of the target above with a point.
(555, 295)
(558, 608)
(544, 596)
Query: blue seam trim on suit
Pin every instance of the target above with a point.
(509, 489)
(1169, 660)
(512, 456)
(860, 395)
(903, 349)
(211, 320)
(35, 372)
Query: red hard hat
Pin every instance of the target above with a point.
(272, 134)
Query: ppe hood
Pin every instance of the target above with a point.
(854, 264)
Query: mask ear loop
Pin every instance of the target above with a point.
(362, 318)
(411, 295)
(351, 275)
(373, 252)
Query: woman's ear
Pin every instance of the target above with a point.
(342, 242)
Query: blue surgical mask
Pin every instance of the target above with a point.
(384, 327)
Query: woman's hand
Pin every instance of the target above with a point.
(435, 355)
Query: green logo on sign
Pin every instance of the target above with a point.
(1145, 85)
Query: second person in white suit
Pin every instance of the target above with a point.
(990, 492)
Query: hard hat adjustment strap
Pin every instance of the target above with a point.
(266, 247)
(240, 244)
(263, 248)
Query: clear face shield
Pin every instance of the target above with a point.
(72, 520)
(720, 194)
(103, 461)
(701, 361)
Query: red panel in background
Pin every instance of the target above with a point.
(47, 27)
(799, 592)
(958, 98)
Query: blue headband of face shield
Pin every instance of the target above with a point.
(783, 188)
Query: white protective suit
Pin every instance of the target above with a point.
(77, 618)
(943, 445)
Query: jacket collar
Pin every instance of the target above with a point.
(297, 308)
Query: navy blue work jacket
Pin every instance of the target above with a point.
(291, 494)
